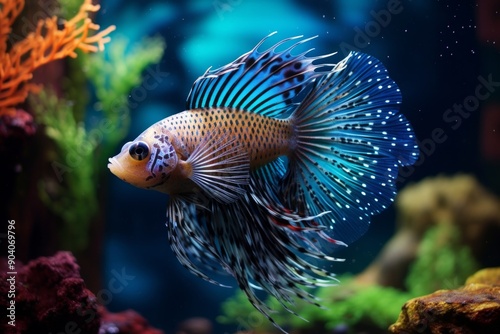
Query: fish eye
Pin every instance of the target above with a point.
(139, 151)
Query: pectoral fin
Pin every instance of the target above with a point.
(220, 166)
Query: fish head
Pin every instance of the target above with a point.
(148, 161)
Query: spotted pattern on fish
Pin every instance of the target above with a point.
(264, 138)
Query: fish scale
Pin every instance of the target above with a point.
(263, 138)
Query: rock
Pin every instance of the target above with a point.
(459, 201)
(126, 322)
(19, 123)
(489, 276)
(474, 308)
(50, 297)
(195, 326)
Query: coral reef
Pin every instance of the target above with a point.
(47, 43)
(474, 308)
(72, 159)
(50, 297)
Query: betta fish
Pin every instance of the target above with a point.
(275, 163)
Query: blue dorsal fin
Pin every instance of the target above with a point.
(261, 82)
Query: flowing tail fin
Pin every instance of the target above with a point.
(350, 141)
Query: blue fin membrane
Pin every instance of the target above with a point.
(350, 142)
(261, 82)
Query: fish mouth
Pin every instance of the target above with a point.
(115, 167)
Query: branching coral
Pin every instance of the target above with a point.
(47, 43)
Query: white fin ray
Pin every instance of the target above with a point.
(221, 167)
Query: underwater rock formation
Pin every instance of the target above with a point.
(18, 124)
(459, 201)
(50, 296)
(489, 276)
(474, 308)
(126, 322)
(195, 326)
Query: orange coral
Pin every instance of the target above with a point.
(47, 43)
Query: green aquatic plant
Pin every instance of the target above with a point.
(237, 310)
(71, 195)
(348, 304)
(370, 306)
(81, 147)
(443, 261)
(67, 8)
(114, 75)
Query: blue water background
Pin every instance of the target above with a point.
(430, 49)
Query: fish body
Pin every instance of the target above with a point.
(275, 162)
(262, 138)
